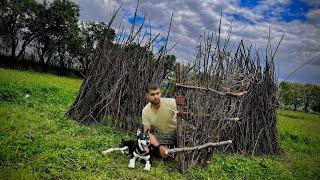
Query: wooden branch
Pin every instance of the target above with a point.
(174, 150)
(180, 124)
(199, 115)
(212, 90)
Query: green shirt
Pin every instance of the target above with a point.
(164, 119)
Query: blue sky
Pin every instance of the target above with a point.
(298, 20)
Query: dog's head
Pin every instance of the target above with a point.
(143, 140)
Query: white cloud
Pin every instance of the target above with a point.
(191, 18)
(314, 16)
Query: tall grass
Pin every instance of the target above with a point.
(37, 142)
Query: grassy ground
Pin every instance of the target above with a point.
(37, 142)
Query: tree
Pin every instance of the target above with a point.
(315, 98)
(65, 16)
(56, 28)
(43, 27)
(169, 66)
(15, 18)
(286, 94)
(298, 90)
(304, 96)
(307, 96)
(83, 47)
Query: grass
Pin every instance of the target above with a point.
(37, 142)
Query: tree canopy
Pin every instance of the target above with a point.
(299, 96)
(52, 34)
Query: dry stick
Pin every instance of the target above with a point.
(150, 37)
(277, 47)
(172, 47)
(180, 123)
(174, 150)
(255, 144)
(152, 40)
(133, 24)
(209, 89)
(114, 16)
(168, 33)
(120, 30)
(227, 39)
(138, 31)
(144, 35)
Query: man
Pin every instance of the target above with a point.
(159, 117)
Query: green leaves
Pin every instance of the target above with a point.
(83, 45)
(296, 96)
(16, 18)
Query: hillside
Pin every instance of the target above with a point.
(36, 141)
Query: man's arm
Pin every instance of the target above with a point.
(153, 138)
(148, 127)
(154, 141)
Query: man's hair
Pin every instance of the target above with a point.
(152, 86)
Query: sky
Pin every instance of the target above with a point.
(297, 20)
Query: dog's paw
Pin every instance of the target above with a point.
(104, 152)
(147, 167)
(123, 152)
(107, 151)
(132, 163)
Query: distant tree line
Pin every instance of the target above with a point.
(49, 34)
(297, 96)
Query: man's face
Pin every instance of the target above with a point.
(154, 96)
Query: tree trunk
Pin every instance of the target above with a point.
(24, 45)
(306, 105)
(61, 62)
(13, 53)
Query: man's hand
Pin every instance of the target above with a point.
(180, 100)
(163, 151)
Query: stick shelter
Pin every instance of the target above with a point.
(227, 98)
(230, 96)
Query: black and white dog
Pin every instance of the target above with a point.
(139, 149)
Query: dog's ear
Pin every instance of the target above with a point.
(138, 132)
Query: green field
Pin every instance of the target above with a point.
(37, 142)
